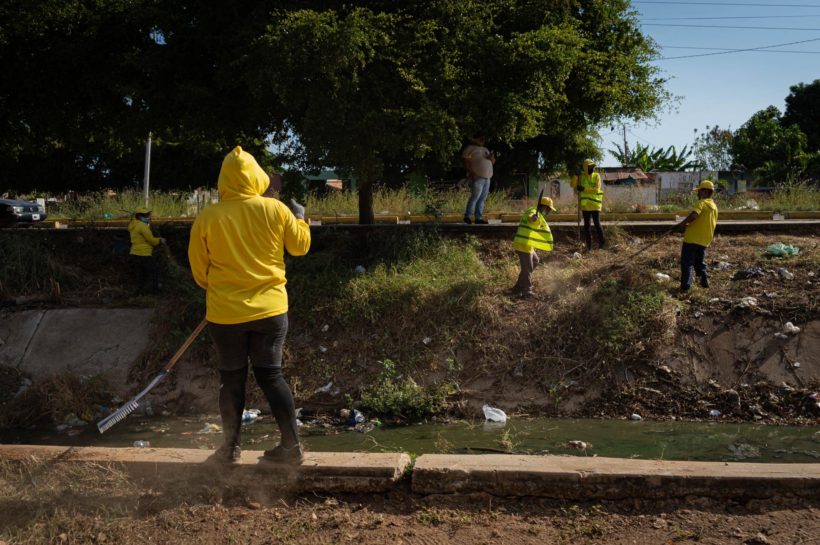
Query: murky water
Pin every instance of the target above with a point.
(611, 438)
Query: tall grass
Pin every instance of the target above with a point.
(122, 205)
(27, 268)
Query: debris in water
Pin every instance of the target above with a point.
(579, 445)
(324, 389)
(209, 428)
(366, 427)
(356, 417)
(142, 444)
(812, 453)
(743, 451)
(72, 433)
(636, 417)
(494, 415)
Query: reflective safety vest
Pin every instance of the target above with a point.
(535, 234)
(590, 201)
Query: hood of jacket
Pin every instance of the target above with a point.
(241, 177)
(133, 224)
(587, 164)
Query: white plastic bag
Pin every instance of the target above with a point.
(660, 277)
(494, 415)
(324, 389)
(790, 329)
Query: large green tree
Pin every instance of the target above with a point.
(711, 148)
(803, 110)
(775, 152)
(397, 83)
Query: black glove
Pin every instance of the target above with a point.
(298, 209)
(534, 218)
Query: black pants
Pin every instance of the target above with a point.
(595, 216)
(147, 271)
(691, 255)
(259, 341)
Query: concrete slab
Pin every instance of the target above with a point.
(16, 331)
(88, 341)
(578, 478)
(331, 472)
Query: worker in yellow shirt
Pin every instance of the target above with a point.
(700, 230)
(587, 183)
(237, 253)
(533, 233)
(142, 248)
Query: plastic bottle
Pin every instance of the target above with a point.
(141, 444)
(356, 417)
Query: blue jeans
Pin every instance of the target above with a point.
(479, 193)
(691, 255)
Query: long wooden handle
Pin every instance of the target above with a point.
(185, 346)
(642, 250)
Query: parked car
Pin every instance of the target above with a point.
(20, 213)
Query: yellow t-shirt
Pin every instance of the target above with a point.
(702, 230)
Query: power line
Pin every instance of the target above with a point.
(639, 138)
(736, 27)
(723, 18)
(739, 50)
(727, 4)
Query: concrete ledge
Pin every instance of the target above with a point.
(608, 478)
(322, 471)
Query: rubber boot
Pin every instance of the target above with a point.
(280, 399)
(231, 407)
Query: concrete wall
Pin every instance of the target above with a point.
(84, 341)
(674, 182)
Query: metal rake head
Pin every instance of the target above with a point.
(106, 423)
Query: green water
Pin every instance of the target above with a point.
(698, 441)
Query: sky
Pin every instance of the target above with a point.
(726, 89)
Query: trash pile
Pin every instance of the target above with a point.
(357, 421)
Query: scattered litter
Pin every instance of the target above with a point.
(812, 453)
(786, 387)
(790, 329)
(785, 274)
(797, 365)
(770, 294)
(23, 387)
(141, 444)
(72, 433)
(322, 349)
(335, 392)
(359, 270)
(636, 417)
(811, 274)
(250, 415)
(117, 400)
(76, 422)
(781, 336)
(723, 266)
(22, 300)
(742, 451)
(209, 428)
(665, 368)
(518, 372)
(576, 255)
(345, 413)
(714, 412)
(324, 389)
(366, 427)
(749, 302)
(661, 277)
(453, 389)
(750, 273)
(494, 415)
(636, 241)
(781, 249)
(356, 417)
(299, 423)
(427, 340)
(579, 445)
(744, 385)
(324, 329)
(698, 314)
(62, 427)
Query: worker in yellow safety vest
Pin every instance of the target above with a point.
(533, 234)
(587, 183)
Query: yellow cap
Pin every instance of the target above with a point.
(546, 201)
(706, 184)
(142, 210)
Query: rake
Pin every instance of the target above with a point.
(106, 423)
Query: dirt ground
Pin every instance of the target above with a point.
(91, 504)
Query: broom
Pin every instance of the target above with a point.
(106, 423)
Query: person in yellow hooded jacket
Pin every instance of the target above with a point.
(587, 183)
(699, 227)
(142, 248)
(237, 252)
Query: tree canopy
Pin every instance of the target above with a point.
(711, 148)
(366, 87)
(803, 110)
(775, 152)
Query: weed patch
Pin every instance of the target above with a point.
(395, 396)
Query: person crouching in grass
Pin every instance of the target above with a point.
(700, 230)
(533, 234)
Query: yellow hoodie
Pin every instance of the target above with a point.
(237, 246)
(142, 239)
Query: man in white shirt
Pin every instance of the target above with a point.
(478, 161)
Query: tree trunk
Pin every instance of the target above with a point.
(366, 216)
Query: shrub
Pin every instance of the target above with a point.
(396, 396)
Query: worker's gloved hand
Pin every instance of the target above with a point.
(163, 241)
(534, 218)
(298, 209)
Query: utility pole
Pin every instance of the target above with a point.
(626, 148)
(145, 179)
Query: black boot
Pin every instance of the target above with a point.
(231, 407)
(280, 399)
(704, 282)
